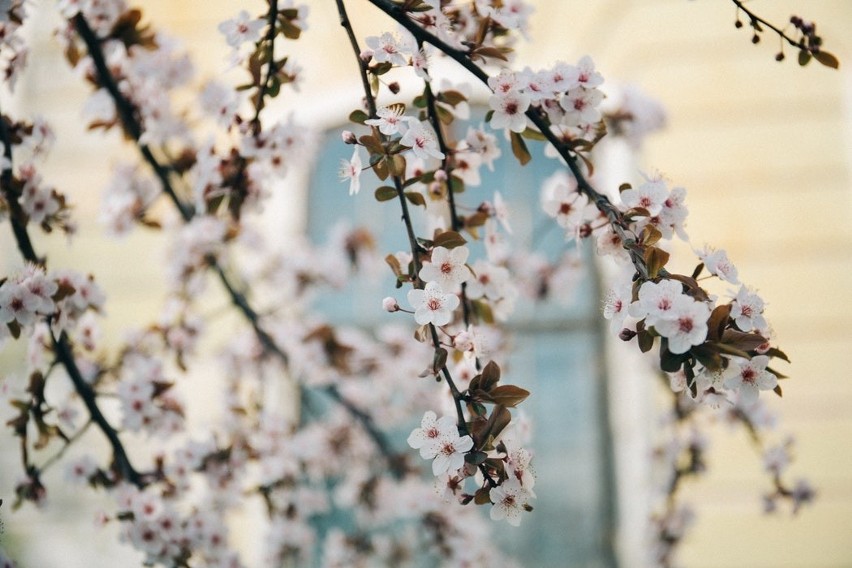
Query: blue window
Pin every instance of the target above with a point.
(557, 355)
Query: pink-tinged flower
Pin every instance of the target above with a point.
(509, 499)
(501, 211)
(718, 264)
(586, 74)
(351, 170)
(672, 217)
(519, 466)
(650, 196)
(422, 141)
(748, 377)
(747, 310)
(561, 201)
(491, 280)
(657, 300)
(504, 83)
(431, 430)
(686, 325)
(447, 268)
(387, 48)
(450, 453)
(484, 144)
(582, 106)
(509, 109)
(615, 307)
(241, 29)
(389, 119)
(536, 85)
(432, 305)
(390, 305)
(17, 303)
(564, 77)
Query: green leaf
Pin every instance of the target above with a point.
(669, 362)
(358, 116)
(519, 148)
(804, 57)
(385, 193)
(532, 134)
(482, 496)
(777, 390)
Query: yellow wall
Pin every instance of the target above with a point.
(763, 149)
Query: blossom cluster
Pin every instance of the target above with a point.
(304, 406)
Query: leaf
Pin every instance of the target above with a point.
(708, 356)
(509, 395)
(775, 352)
(381, 68)
(655, 259)
(385, 193)
(669, 362)
(826, 59)
(358, 116)
(777, 390)
(490, 376)
(475, 458)
(499, 419)
(451, 97)
(646, 340)
(485, 51)
(440, 360)
(519, 148)
(742, 340)
(373, 144)
(449, 239)
(718, 321)
(804, 57)
(650, 235)
(482, 496)
(456, 184)
(483, 311)
(532, 134)
(416, 198)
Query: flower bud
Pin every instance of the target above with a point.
(349, 137)
(390, 305)
(626, 334)
(440, 175)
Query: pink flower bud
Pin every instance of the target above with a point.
(440, 175)
(389, 304)
(349, 137)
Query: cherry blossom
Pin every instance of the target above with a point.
(509, 499)
(447, 268)
(432, 304)
(509, 109)
(421, 139)
(685, 326)
(748, 377)
(351, 170)
(242, 29)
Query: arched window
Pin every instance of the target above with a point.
(557, 353)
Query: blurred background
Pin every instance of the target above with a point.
(763, 148)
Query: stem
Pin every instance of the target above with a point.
(130, 122)
(406, 216)
(272, 18)
(61, 346)
(536, 116)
